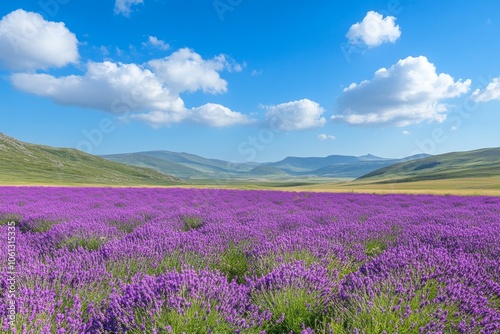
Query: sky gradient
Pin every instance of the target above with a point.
(252, 80)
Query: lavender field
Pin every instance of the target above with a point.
(218, 261)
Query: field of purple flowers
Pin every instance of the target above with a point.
(219, 261)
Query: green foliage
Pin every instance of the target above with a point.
(90, 244)
(191, 223)
(125, 269)
(40, 226)
(127, 226)
(375, 247)
(343, 268)
(9, 217)
(363, 218)
(263, 265)
(93, 293)
(298, 306)
(234, 263)
(193, 320)
(390, 313)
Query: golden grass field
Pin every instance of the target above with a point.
(464, 186)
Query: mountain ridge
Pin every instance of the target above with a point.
(22, 162)
(332, 166)
(476, 163)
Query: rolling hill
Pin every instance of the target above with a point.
(266, 171)
(192, 166)
(184, 165)
(336, 166)
(23, 163)
(471, 164)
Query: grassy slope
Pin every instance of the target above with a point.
(484, 186)
(488, 186)
(191, 166)
(184, 164)
(162, 165)
(22, 163)
(472, 164)
(26, 164)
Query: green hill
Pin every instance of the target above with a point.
(184, 165)
(471, 164)
(23, 163)
(157, 163)
(267, 171)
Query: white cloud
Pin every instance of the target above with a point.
(217, 115)
(326, 137)
(491, 92)
(131, 88)
(374, 30)
(104, 50)
(185, 70)
(296, 115)
(28, 42)
(410, 91)
(157, 43)
(158, 118)
(210, 114)
(123, 7)
(107, 86)
(256, 73)
(406, 132)
(236, 67)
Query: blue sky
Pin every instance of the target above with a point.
(252, 80)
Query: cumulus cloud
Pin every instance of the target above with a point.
(406, 132)
(410, 91)
(185, 70)
(131, 88)
(106, 86)
(217, 115)
(123, 7)
(326, 137)
(28, 42)
(209, 114)
(296, 115)
(490, 93)
(157, 43)
(374, 30)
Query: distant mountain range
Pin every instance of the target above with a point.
(185, 165)
(470, 164)
(23, 163)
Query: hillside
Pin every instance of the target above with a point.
(471, 164)
(267, 171)
(192, 166)
(184, 165)
(23, 163)
(157, 163)
(336, 166)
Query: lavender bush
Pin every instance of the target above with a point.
(100, 260)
